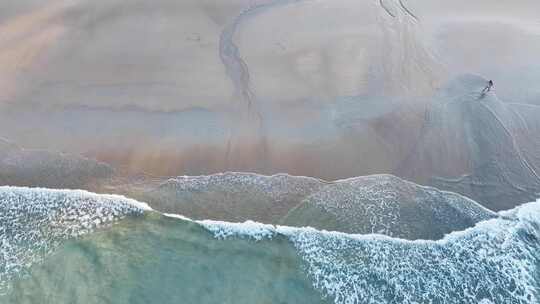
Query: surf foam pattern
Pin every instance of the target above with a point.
(279, 187)
(379, 206)
(33, 222)
(493, 262)
(386, 204)
(224, 230)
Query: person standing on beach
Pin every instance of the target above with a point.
(488, 87)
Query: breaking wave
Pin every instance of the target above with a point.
(496, 261)
(34, 222)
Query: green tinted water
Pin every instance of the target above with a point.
(154, 259)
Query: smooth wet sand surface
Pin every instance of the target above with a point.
(323, 88)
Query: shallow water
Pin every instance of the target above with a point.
(109, 249)
(154, 259)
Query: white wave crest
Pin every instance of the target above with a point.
(495, 261)
(34, 221)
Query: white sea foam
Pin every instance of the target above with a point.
(177, 216)
(34, 221)
(223, 230)
(493, 262)
(278, 187)
(388, 205)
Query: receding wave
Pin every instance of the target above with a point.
(49, 256)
